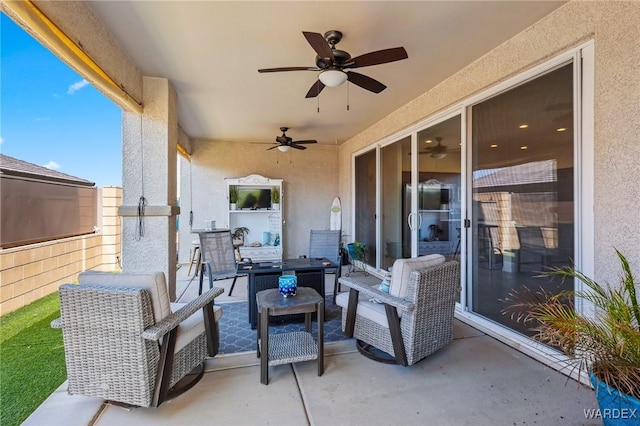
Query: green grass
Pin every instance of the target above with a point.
(31, 359)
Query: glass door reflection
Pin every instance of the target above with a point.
(438, 192)
(522, 191)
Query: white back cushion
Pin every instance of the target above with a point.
(154, 283)
(402, 269)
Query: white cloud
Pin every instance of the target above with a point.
(1, 140)
(52, 165)
(77, 86)
(43, 118)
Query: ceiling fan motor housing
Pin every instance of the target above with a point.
(341, 58)
(333, 37)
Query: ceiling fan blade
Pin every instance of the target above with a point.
(378, 57)
(305, 141)
(315, 89)
(365, 82)
(273, 147)
(320, 45)
(289, 69)
(293, 145)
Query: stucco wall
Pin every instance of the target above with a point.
(310, 184)
(615, 29)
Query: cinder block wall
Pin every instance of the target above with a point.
(111, 226)
(33, 271)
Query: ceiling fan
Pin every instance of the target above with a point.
(439, 151)
(284, 142)
(334, 64)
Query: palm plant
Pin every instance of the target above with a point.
(240, 232)
(607, 344)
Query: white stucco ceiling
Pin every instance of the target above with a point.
(211, 51)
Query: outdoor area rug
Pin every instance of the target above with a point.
(236, 334)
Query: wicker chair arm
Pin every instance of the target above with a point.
(374, 292)
(158, 330)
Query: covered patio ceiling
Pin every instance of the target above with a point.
(211, 51)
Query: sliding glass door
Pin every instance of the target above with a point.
(418, 189)
(496, 184)
(522, 183)
(395, 174)
(365, 204)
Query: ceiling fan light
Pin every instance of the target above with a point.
(438, 155)
(284, 148)
(332, 78)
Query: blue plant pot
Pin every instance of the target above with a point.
(616, 408)
(287, 285)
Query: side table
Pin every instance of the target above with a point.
(285, 348)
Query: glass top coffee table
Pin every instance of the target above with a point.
(285, 348)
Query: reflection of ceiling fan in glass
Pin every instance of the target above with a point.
(439, 151)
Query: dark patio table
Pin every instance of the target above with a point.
(264, 275)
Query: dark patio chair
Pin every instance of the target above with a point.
(218, 258)
(533, 250)
(327, 244)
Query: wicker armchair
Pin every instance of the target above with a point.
(410, 322)
(124, 342)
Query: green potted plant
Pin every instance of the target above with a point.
(357, 252)
(606, 344)
(233, 197)
(275, 198)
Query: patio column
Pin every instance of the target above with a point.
(149, 206)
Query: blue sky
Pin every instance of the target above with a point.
(51, 116)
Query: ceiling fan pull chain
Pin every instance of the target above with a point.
(347, 96)
(318, 100)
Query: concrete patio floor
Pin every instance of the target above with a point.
(475, 380)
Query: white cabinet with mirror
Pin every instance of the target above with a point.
(256, 216)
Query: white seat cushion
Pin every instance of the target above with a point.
(154, 283)
(193, 326)
(402, 269)
(370, 310)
